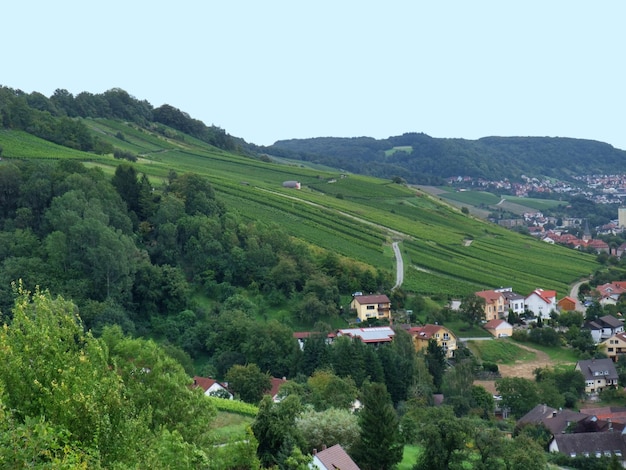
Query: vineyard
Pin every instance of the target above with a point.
(446, 252)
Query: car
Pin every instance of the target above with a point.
(502, 335)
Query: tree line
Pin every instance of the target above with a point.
(421, 159)
(54, 118)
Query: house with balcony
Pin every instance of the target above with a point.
(614, 346)
(512, 300)
(598, 373)
(444, 337)
(494, 304)
(371, 307)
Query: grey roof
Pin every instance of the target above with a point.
(512, 296)
(610, 321)
(604, 367)
(591, 443)
(536, 415)
(335, 458)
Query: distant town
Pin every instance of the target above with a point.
(571, 231)
(601, 189)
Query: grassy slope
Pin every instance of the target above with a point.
(354, 215)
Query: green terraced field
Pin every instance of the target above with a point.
(446, 252)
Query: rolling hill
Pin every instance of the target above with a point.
(421, 159)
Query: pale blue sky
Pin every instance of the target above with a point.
(271, 70)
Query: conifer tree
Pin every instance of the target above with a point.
(380, 446)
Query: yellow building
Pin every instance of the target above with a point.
(494, 304)
(371, 306)
(614, 346)
(444, 337)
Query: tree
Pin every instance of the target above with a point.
(275, 429)
(54, 370)
(442, 436)
(327, 390)
(329, 427)
(436, 362)
(248, 382)
(518, 394)
(380, 445)
(472, 309)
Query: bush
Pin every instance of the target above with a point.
(490, 367)
(520, 335)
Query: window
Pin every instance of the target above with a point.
(610, 349)
(370, 307)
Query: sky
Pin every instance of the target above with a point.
(274, 70)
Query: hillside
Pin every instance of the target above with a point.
(421, 159)
(446, 252)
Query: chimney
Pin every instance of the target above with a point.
(554, 414)
(323, 446)
(314, 452)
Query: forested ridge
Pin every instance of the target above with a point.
(419, 158)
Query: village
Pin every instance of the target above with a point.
(591, 431)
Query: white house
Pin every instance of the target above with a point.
(541, 303)
(212, 387)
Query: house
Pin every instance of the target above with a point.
(604, 327)
(302, 336)
(616, 414)
(212, 387)
(609, 292)
(499, 328)
(512, 300)
(541, 303)
(590, 444)
(566, 421)
(374, 335)
(444, 337)
(274, 390)
(566, 304)
(614, 346)
(333, 458)
(598, 374)
(494, 304)
(371, 306)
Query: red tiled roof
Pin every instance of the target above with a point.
(204, 382)
(490, 296)
(493, 324)
(276, 383)
(545, 295)
(424, 332)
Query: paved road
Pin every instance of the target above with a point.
(574, 295)
(399, 266)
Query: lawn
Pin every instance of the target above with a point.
(409, 457)
(500, 351)
(557, 354)
(229, 426)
